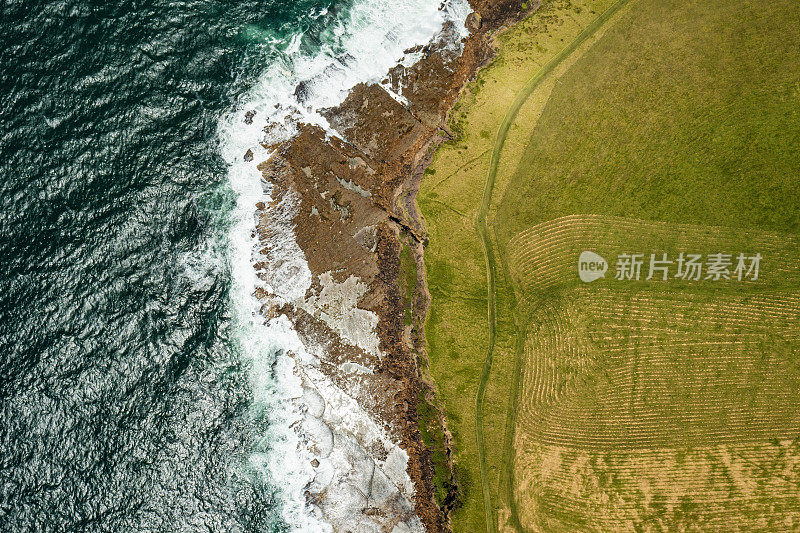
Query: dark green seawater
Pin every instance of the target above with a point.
(123, 406)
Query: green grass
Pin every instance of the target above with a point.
(686, 113)
(434, 440)
(683, 112)
(450, 199)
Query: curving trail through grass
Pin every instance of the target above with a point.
(488, 251)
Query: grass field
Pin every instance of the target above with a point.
(665, 126)
(660, 404)
(450, 200)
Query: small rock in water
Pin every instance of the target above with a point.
(301, 92)
(315, 463)
(248, 155)
(248, 117)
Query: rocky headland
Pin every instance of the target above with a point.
(367, 406)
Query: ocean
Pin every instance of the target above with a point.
(139, 388)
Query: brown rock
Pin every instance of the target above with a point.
(376, 124)
(474, 21)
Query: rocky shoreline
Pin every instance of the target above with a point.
(351, 202)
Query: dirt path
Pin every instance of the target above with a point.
(491, 266)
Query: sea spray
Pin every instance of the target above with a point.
(309, 71)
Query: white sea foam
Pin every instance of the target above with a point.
(361, 46)
(302, 404)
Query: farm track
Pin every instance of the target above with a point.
(483, 234)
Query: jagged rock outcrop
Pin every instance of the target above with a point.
(350, 198)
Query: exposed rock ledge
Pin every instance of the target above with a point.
(351, 202)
